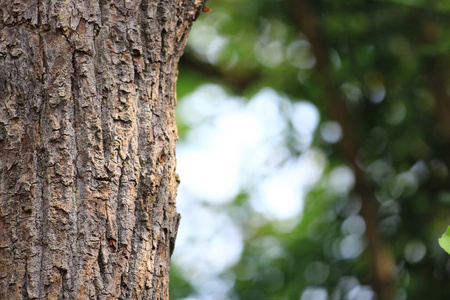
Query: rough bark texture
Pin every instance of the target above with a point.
(87, 146)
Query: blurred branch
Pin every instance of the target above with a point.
(435, 69)
(239, 81)
(381, 254)
(422, 9)
(437, 80)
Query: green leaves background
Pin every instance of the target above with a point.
(378, 70)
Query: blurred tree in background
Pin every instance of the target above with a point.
(377, 72)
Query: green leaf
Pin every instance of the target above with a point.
(444, 241)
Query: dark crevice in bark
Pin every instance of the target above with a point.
(42, 209)
(24, 283)
(64, 286)
(74, 245)
(102, 6)
(42, 164)
(173, 235)
(39, 165)
(102, 264)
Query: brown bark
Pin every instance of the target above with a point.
(382, 257)
(87, 146)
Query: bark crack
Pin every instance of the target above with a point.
(40, 165)
(75, 228)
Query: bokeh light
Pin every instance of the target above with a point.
(313, 151)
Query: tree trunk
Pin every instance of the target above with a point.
(87, 146)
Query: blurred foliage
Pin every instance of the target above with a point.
(385, 65)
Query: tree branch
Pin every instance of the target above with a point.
(381, 254)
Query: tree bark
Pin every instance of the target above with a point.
(87, 146)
